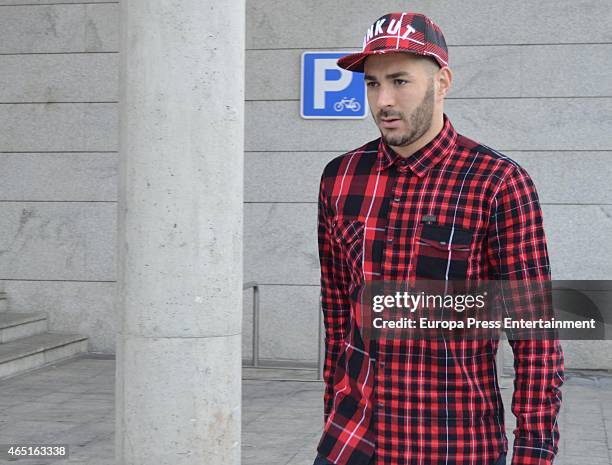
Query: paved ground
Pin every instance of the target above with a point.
(73, 402)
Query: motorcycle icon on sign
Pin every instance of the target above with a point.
(349, 103)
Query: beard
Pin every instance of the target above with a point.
(419, 120)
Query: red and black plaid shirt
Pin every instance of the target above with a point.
(426, 402)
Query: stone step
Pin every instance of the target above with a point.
(14, 326)
(36, 351)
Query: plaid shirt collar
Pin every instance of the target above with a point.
(424, 158)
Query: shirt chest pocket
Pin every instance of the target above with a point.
(443, 252)
(350, 236)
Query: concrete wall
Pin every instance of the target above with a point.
(533, 80)
(58, 162)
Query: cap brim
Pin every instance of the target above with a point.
(356, 61)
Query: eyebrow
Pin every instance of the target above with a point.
(389, 76)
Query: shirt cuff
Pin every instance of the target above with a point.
(528, 452)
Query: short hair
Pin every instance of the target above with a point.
(429, 62)
(431, 65)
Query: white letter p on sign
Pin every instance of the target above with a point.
(322, 86)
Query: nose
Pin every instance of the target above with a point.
(385, 97)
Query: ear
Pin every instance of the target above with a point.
(444, 78)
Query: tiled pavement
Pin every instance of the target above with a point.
(72, 402)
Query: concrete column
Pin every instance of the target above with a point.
(179, 297)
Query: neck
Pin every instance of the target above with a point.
(435, 128)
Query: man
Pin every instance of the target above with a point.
(423, 201)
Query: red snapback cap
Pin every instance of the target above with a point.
(400, 32)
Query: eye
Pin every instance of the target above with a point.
(371, 84)
(401, 82)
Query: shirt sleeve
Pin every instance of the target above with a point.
(335, 303)
(517, 250)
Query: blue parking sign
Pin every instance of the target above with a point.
(328, 91)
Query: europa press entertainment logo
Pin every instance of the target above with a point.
(328, 91)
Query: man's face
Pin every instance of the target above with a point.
(400, 89)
